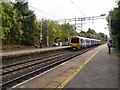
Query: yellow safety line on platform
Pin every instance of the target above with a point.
(61, 85)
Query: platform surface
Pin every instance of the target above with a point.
(100, 72)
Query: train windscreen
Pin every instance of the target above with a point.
(75, 40)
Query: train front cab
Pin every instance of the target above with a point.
(75, 43)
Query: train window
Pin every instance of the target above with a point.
(75, 40)
(86, 41)
(92, 41)
(82, 41)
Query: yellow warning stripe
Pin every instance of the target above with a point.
(61, 85)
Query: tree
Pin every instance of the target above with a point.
(29, 23)
(11, 26)
(67, 29)
(82, 34)
(91, 31)
(115, 25)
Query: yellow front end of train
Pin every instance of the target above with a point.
(75, 42)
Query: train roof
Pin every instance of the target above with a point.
(75, 37)
(84, 38)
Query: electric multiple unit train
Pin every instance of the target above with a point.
(77, 42)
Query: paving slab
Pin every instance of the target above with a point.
(100, 72)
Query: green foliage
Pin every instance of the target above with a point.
(67, 29)
(91, 31)
(30, 25)
(115, 25)
(11, 26)
(82, 34)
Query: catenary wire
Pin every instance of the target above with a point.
(42, 11)
(60, 8)
(77, 7)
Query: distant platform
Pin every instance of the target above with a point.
(30, 51)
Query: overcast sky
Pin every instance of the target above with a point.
(61, 9)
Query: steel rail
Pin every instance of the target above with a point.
(33, 64)
(30, 60)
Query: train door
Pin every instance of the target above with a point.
(79, 43)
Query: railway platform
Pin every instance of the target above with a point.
(30, 51)
(93, 69)
(100, 72)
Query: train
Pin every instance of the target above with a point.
(77, 42)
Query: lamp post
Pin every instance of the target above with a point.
(110, 26)
(68, 39)
(47, 34)
(47, 42)
(41, 35)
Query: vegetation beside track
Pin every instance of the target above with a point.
(115, 25)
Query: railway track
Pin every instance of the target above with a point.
(13, 60)
(24, 64)
(18, 72)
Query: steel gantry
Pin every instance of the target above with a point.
(102, 16)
